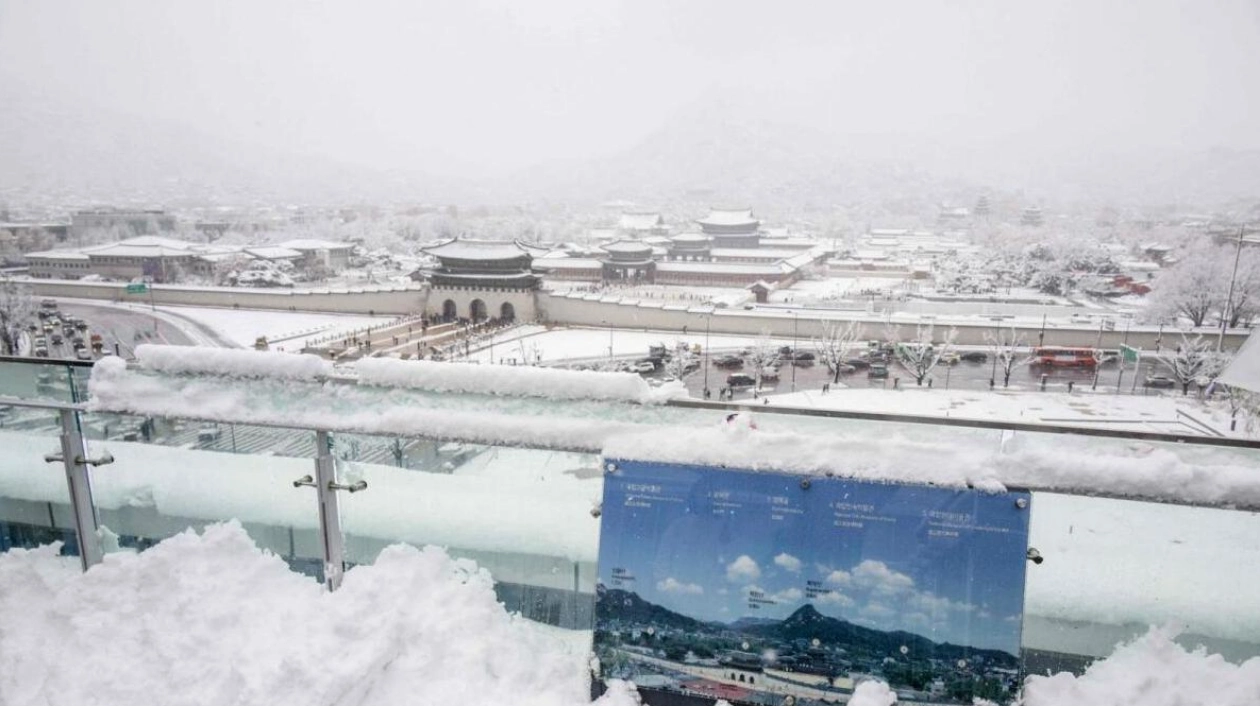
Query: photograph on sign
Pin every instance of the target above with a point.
(765, 588)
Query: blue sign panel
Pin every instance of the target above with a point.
(763, 588)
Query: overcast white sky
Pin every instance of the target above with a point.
(482, 87)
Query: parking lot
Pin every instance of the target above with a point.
(966, 375)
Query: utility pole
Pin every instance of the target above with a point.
(1229, 300)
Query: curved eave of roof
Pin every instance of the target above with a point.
(470, 249)
(626, 247)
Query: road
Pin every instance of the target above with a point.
(122, 327)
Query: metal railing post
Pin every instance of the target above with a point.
(326, 488)
(79, 482)
(329, 512)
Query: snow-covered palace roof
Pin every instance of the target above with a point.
(729, 217)
(475, 249)
(626, 247)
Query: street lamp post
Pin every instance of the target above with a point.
(707, 321)
(795, 320)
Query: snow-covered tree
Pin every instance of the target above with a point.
(1194, 360)
(921, 354)
(1197, 286)
(835, 345)
(17, 306)
(762, 356)
(1004, 346)
(680, 361)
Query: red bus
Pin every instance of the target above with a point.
(1064, 357)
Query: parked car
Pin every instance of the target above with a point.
(57, 339)
(728, 361)
(950, 358)
(83, 354)
(740, 380)
(878, 370)
(644, 367)
(974, 356)
(858, 363)
(41, 351)
(845, 369)
(1159, 382)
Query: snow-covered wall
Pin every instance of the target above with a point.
(353, 300)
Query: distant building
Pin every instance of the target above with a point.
(691, 247)
(1032, 216)
(471, 271)
(21, 229)
(953, 216)
(983, 208)
(161, 259)
(642, 223)
(628, 261)
(140, 221)
(332, 254)
(731, 228)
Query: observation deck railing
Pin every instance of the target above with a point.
(1134, 528)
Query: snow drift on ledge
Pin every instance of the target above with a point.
(231, 362)
(211, 619)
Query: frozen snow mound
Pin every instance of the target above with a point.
(526, 381)
(211, 619)
(232, 362)
(1151, 670)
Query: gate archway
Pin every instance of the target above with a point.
(449, 310)
(507, 312)
(477, 310)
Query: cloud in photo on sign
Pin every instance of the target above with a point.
(673, 586)
(877, 577)
(834, 598)
(743, 569)
(839, 578)
(787, 562)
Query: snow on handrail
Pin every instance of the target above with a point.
(527, 381)
(236, 363)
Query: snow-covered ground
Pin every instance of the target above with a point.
(211, 619)
(283, 329)
(1146, 413)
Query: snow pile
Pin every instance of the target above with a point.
(529, 381)
(212, 620)
(1152, 670)
(738, 443)
(955, 458)
(873, 692)
(232, 362)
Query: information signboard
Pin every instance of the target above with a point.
(137, 288)
(767, 588)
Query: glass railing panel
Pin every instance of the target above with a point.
(171, 474)
(1112, 568)
(49, 381)
(34, 498)
(525, 515)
